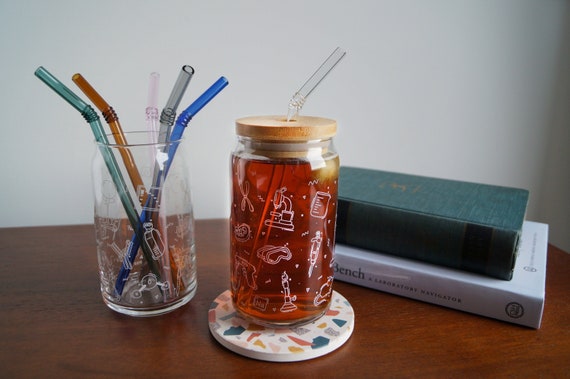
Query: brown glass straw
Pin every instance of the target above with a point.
(113, 121)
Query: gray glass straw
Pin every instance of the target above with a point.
(168, 114)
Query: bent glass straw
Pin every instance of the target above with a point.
(299, 98)
(167, 117)
(168, 114)
(181, 124)
(113, 121)
(92, 118)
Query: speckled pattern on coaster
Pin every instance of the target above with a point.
(303, 342)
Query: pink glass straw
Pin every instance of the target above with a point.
(151, 110)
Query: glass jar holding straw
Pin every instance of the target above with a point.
(145, 234)
(283, 212)
(283, 217)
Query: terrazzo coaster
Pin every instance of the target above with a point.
(299, 343)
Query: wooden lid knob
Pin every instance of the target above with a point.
(277, 128)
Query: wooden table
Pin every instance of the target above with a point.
(53, 323)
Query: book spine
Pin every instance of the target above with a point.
(435, 288)
(442, 241)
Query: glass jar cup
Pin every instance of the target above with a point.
(283, 218)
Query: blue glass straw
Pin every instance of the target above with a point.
(97, 128)
(181, 123)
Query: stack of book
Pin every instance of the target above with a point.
(445, 242)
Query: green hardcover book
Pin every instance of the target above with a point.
(467, 226)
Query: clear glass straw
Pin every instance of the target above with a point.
(299, 98)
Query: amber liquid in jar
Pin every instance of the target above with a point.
(283, 217)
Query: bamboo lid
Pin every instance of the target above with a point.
(277, 128)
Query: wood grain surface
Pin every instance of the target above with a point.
(53, 323)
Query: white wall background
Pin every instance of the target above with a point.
(468, 90)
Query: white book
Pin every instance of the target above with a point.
(519, 301)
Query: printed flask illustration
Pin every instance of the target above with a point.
(153, 240)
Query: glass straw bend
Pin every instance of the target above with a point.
(113, 121)
(299, 98)
(168, 114)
